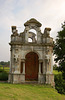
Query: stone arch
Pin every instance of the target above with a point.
(32, 35)
(36, 28)
(31, 51)
(33, 27)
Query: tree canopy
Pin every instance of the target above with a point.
(59, 49)
(5, 64)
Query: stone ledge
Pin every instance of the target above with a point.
(31, 44)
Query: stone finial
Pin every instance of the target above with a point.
(14, 31)
(47, 31)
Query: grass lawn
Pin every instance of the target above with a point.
(28, 92)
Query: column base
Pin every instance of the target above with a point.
(46, 79)
(42, 78)
(16, 78)
(50, 79)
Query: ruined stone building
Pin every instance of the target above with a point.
(31, 54)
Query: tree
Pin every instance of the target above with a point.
(4, 64)
(59, 49)
(55, 67)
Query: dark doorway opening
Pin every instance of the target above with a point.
(31, 66)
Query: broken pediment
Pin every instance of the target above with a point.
(32, 21)
(31, 34)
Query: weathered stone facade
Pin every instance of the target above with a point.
(40, 45)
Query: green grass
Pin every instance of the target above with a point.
(28, 92)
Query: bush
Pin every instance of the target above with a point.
(1, 70)
(3, 76)
(60, 84)
(55, 67)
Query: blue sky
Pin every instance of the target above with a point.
(51, 13)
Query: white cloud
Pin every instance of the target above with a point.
(15, 12)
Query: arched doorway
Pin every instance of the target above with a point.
(31, 66)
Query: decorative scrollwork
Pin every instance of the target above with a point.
(16, 58)
(47, 57)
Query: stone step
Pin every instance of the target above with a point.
(30, 82)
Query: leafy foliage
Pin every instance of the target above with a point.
(55, 67)
(3, 76)
(5, 64)
(60, 83)
(59, 49)
(3, 73)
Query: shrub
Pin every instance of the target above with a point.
(1, 70)
(3, 76)
(60, 84)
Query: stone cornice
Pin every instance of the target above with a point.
(31, 44)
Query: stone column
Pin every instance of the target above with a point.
(44, 61)
(12, 62)
(22, 78)
(26, 34)
(10, 71)
(39, 67)
(40, 61)
(38, 36)
(40, 75)
(51, 62)
(23, 66)
(44, 70)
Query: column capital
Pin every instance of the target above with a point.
(23, 60)
(40, 60)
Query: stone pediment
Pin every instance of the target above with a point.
(32, 20)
